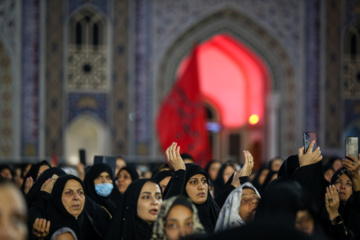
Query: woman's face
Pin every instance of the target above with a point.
(276, 164)
(104, 177)
(248, 205)
(337, 164)
(344, 187)
(263, 176)
(123, 181)
(163, 183)
(213, 170)
(73, 197)
(328, 174)
(229, 170)
(149, 202)
(197, 188)
(13, 214)
(304, 222)
(179, 222)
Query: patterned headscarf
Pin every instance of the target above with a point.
(167, 205)
(229, 215)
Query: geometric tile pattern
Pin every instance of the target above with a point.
(120, 82)
(30, 66)
(9, 26)
(102, 5)
(332, 53)
(312, 68)
(6, 96)
(87, 103)
(54, 77)
(86, 58)
(143, 78)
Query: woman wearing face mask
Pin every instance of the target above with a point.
(239, 207)
(100, 188)
(69, 207)
(177, 218)
(138, 211)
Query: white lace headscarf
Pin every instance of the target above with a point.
(229, 215)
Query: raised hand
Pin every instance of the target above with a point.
(310, 157)
(248, 165)
(173, 157)
(332, 201)
(49, 184)
(245, 171)
(41, 228)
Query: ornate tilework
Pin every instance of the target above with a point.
(281, 18)
(312, 75)
(120, 86)
(143, 77)
(8, 22)
(332, 75)
(6, 80)
(95, 104)
(100, 4)
(30, 77)
(54, 77)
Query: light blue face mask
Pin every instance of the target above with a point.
(104, 189)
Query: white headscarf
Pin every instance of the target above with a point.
(229, 215)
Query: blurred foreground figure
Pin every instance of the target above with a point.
(13, 212)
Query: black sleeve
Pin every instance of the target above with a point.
(221, 198)
(176, 185)
(338, 232)
(311, 179)
(99, 217)
(37, 210)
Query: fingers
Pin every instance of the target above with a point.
(178, 151)
(41, 227)
(311, 146)
(301, 152)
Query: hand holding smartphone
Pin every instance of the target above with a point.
(308, 137)
(351, 147)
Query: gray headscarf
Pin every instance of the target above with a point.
(63, 230)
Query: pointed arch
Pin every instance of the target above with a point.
(258, 40)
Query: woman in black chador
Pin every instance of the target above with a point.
(137, 213)
(68, 206)
(100, 188)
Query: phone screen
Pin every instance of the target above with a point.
(351, 146)
(308, 138)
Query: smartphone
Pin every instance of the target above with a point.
(351, 147)
(308, 138)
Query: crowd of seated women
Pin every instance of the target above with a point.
(303, 197)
